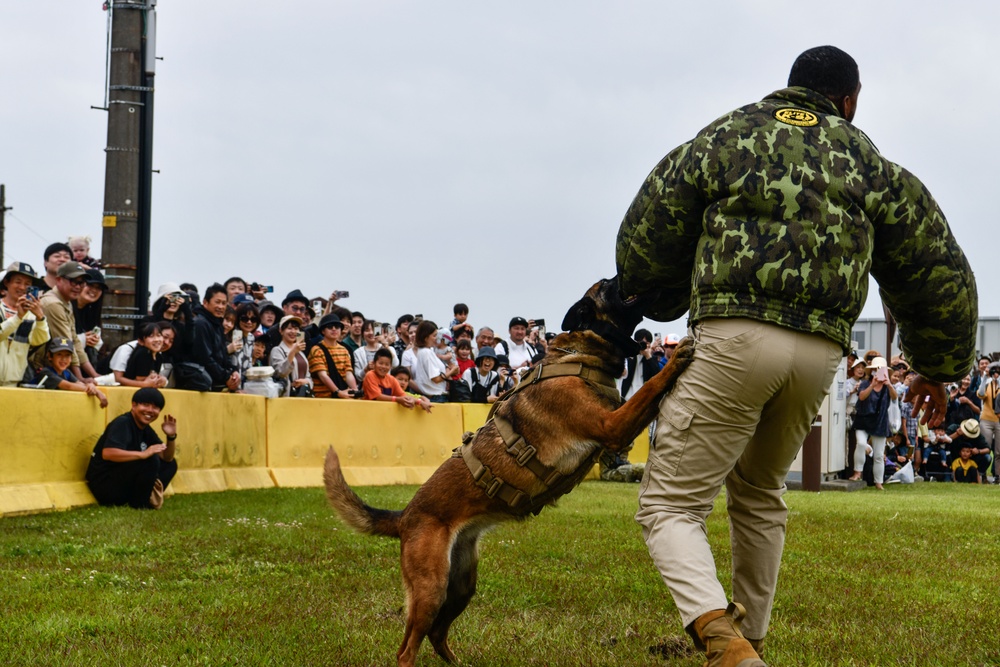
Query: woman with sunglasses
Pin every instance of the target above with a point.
(247, 322)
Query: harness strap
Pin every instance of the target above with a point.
(524, 453)
(494, 486)
(601, 381)
(556, 483)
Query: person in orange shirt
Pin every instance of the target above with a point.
(379, 385)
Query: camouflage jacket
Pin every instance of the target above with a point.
(778, 211)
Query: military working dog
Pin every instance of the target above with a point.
(540, 441)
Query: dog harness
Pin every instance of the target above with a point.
(556, 483)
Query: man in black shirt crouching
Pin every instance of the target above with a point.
(130, 464)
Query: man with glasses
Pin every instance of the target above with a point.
(58, 309)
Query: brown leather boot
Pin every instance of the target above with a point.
(718, 634)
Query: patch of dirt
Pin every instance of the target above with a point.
(673, 647)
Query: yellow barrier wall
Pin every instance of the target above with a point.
(378, 443)
(45, 446)
(228, 441)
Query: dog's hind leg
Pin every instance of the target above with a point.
(424, 562)
(461, 588)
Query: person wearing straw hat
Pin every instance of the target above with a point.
(968, 434)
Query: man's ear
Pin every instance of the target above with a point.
(580, 313)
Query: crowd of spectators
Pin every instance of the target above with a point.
(231, 332)
(884, 436)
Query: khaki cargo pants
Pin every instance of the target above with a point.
(738, 415)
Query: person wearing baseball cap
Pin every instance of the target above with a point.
(56, 374)
(130, 464)
(518, 351)
(57, 304)
(24, 324)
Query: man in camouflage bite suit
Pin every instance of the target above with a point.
(766, 226)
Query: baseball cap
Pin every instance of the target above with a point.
(672, 339)
(72, 270)
(514, 321)
(95, 277)
(60, 345)
(240, 299)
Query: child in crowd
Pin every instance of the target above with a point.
(379, 385)
(897, 455)
(402, 375)
(444, 351)
(461, 315)
(143, 366)
(259, 355)
(935, 453)
(463, 350)
(58, 376)
(167, 352)
(80, 247)
(964, 469)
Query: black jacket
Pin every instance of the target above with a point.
(650, 367)
(208, 346)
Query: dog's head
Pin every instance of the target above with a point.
(603, 311)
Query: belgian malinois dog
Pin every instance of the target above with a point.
(539, 443)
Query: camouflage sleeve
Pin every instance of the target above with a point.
(925, 280)
(655, 249)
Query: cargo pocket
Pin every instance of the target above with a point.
(673, 429)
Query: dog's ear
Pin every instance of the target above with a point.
(580, 313)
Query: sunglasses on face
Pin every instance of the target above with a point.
(297, 309)
(77, 281)
(248, 319)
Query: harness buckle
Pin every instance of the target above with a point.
(526, 454)
(493, 487)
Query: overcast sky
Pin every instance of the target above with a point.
(423, 153)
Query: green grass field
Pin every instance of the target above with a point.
(910, 576)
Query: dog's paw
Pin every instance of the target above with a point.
(683, 355)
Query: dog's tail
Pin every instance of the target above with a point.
(351, 508)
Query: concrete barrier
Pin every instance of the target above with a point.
(228, 441)
(378, 443)
(46, 442)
